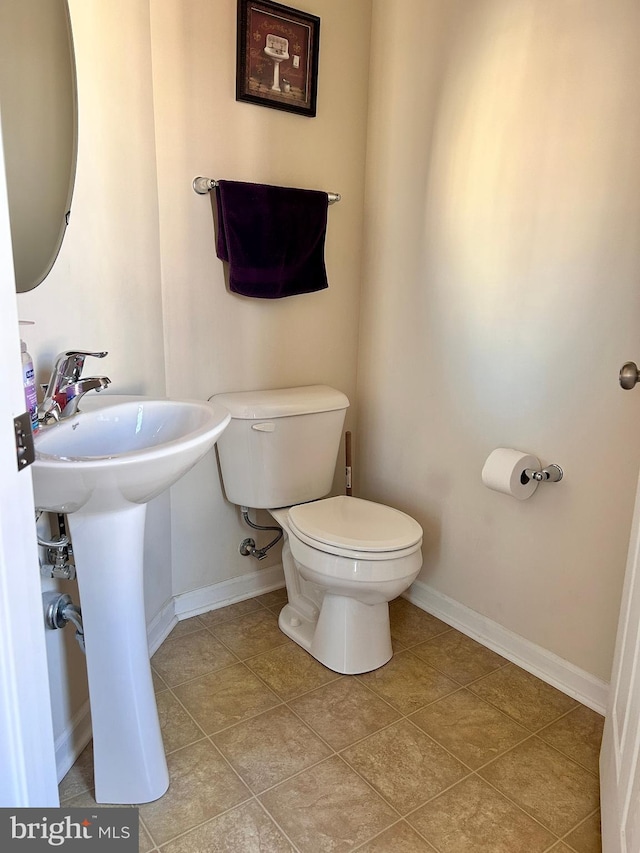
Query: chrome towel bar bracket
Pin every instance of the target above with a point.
(204, 185)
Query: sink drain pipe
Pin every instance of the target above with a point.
(59, 610)
(248, 546)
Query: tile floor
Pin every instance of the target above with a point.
(447, 748)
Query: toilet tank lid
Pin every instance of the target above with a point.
(282, 402)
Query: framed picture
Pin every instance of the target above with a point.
(277, 62)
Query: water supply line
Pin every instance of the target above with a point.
(248, 546)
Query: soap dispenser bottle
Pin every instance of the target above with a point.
(29, 382)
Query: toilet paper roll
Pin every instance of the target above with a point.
(504, 472)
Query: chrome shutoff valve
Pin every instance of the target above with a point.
(59, 610)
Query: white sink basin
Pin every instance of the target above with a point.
(103, 466)
(122, 453)
(278, 55)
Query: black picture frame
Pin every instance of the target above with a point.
(277, 57)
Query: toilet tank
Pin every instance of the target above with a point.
(281, 446)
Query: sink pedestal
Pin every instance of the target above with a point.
(129, 760)
(276, 76)
(101, 468)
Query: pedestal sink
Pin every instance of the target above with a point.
(101, 467)
(277, 49)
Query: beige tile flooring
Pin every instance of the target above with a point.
(447, 748)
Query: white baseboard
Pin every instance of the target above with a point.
(228, 592)
(77, 734)
(160, 626)
(72, 741)
(575, 682)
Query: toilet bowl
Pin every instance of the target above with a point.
(344, 559)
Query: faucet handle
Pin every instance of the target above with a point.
(65, 376)
(69, 364)
(80, 353)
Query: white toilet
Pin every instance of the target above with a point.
(344, 558)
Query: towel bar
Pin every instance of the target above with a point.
(204, 185)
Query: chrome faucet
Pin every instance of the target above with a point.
(66, 387)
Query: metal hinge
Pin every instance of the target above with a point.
(24, 440)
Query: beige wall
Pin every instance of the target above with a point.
(138, 276)
(500, 298)
(217, 341)
(500, 291)
(104, 291)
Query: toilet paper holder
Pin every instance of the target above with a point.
(551, 474)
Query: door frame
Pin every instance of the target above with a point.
(620, 753)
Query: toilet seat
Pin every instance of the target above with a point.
(355, 528)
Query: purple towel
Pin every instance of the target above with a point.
(273, 238)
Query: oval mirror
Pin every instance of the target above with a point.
(38, 106)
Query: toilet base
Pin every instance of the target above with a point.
(348, 637)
